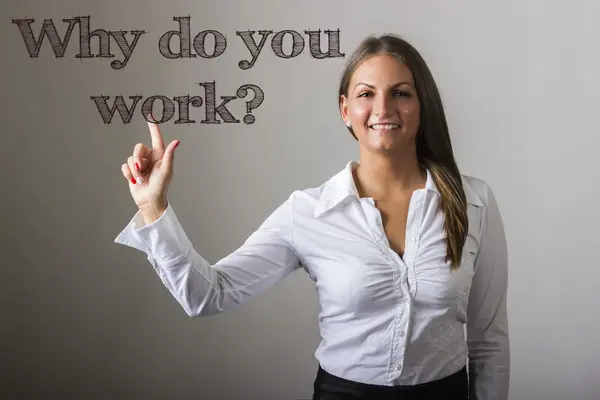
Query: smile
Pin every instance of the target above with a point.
(384, 126)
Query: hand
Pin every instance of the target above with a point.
(149, 173)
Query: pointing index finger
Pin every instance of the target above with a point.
(157, 139)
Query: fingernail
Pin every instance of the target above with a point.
(133, 180)
(137, 166)
(177, 144)
(140, 180)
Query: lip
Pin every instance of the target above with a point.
(371, 126)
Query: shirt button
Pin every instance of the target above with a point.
(402, 334)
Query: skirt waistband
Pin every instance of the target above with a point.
(452, 387)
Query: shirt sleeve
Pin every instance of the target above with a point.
(487, 326)
(264, 259)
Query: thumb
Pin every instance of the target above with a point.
(169, 155)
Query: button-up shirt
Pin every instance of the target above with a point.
(384, 319)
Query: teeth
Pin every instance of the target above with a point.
(385, 126)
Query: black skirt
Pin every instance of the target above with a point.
(330, 387)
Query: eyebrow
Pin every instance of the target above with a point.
(373, 87)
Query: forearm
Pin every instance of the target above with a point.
(152, 212)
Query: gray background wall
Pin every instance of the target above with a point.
(84, 318)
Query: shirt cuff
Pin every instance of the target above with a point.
(163, 240)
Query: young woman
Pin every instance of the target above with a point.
(404, 250)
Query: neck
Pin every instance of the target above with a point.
(384, 177)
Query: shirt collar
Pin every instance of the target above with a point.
(342, 186)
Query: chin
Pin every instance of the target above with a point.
(382, 147)
(384, 140)
(386, 145)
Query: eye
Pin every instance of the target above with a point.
(402, 94)
(364, 94)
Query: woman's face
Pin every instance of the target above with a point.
(382, 105)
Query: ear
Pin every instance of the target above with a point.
(344, 107)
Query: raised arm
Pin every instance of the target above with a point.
(265, 258)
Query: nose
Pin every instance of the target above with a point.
(383, 105)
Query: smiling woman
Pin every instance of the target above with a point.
(381, 91)
(403, 249)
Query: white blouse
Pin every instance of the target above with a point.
(384, 319)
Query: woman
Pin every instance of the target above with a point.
(404, 250)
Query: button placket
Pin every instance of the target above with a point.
(416, 221)
(401, 283)
(398, 363)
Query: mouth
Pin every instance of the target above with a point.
(384, 127)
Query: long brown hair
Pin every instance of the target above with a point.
(434, 148)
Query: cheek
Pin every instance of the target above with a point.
(411, 112)
(359, 110)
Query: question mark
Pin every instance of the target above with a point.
(259, 97)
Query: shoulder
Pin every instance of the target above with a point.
(489, 213)
(316, 200)
(299, 203)
(477, 190)
(307, 200)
